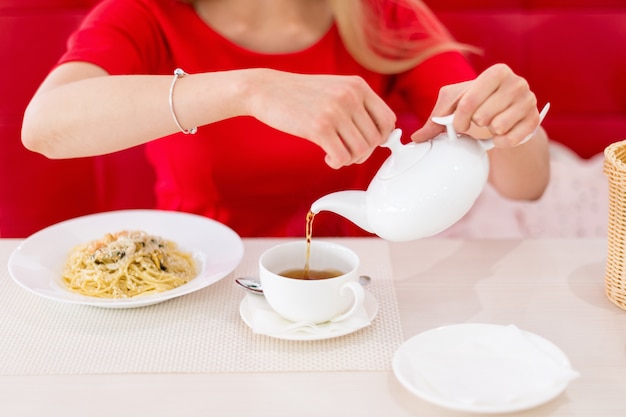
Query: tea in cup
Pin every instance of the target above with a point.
(326, 288)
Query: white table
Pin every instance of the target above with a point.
(550, 287)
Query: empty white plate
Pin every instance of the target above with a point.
(482, 368)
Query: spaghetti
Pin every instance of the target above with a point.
(127, 264)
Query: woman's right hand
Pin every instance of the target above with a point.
(341, 114)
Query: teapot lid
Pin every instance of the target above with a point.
(402, 156)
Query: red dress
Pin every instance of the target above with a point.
(253, 178)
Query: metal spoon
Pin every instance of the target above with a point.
(254, 285)
(251, 285)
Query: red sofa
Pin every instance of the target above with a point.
(570, 51)
(35, 191)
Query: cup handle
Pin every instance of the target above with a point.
(359, 297)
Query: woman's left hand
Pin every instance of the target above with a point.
(497, 104)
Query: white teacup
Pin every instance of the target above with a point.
(316, 300)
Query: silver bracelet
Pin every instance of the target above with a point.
(179, 73)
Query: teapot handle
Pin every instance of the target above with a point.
(447, 121)
(485, 143)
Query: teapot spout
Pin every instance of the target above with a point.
(349, 204)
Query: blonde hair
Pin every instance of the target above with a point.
(390, 36)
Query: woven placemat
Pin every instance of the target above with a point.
(198, 333)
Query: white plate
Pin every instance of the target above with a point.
(444, 340)
(252, 301)
(38, 262)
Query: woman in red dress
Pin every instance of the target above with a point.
(280, 102)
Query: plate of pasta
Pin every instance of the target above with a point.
(126, 258)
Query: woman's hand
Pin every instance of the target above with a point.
(497, 104)
(341, 114)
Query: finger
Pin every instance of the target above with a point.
(489, 113)
(516, 113)
(516, 134)
(497, 116)
(446, 103)
(348, 146)
(426, 132)
(473, 98)
(354, 142)
(362, 135)
(382, 117)
(364, 157)
(368, 129)
(497, 81)
(337, 154)
(331, 163)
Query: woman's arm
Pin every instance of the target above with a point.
(80, 110)
(522, 172)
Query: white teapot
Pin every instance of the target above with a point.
(420, 190)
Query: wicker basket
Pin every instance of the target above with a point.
(615, 274)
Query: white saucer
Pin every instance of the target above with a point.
(490, 356)
(251, 302)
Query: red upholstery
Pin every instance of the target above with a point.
(35, 191)
(570, 51)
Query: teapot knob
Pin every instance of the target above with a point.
(393, 141)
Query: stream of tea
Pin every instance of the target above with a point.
(307, 272)
(308, 232)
